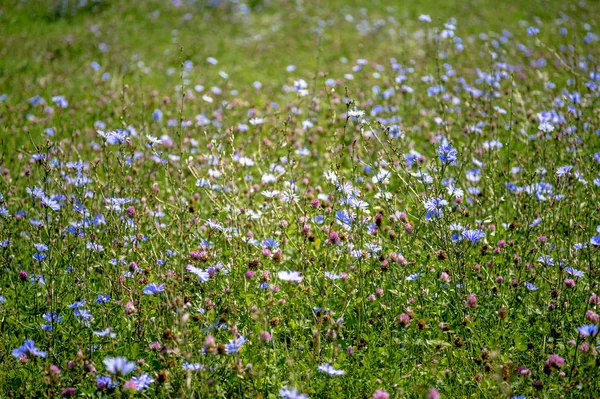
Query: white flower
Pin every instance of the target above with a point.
(287, 393)
(204, 276)
(105, 333)
(245, 161)
(268, 178)
(271, 194)
(119, 365)
(382, 176)
(329, 369)
(546, 127)
(424, 18)
(456, 192)
(332, 276)
(289, 197)
(300, 84)
(153, 140)
(356, 113)
(330, 176)
(292, 276)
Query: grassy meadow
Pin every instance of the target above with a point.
(299, 199)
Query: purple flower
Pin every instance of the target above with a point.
(471, 301)
(588, 330)
(563, 170)
(235, 345)
(102, 299)
(143, 381)
(291, 393)
(574, 272)
(119, 365)
(104, 382)
(153, 288)
(447, 154)
(555, 361)
(192, 366)
(530, 286)
(329, 369)
(77, 304)
(157, 115)
(473, 235)
(28, 348)
(434, 207)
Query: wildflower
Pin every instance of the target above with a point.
(28, 348)
(447, 154)
(119, 365)
(434, 207)
(130, 387)
(102, 299)
(115, 137)
(39, 257)
(555, 361)
(327, 368)
(574, 272)
(153, 288)
(546, 127)
(530, 286)
(381, 394)
(502, 312)
(105, 333)
(592, 316)
(403, 320)
(445, 277)
(104, 382)
(41, 247)
(546, 260)
(433, 394)
(265, 336)
(356, 113)
(595, 241)
(292, 276)
(473, 235)
(192, 366)
(588, 330)
(291, 393)
(202, 274)
(143, 381)
(471, 301)
(570, 282)
(51, 318)
(235, 345)
(129, 308)
(563, 170)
